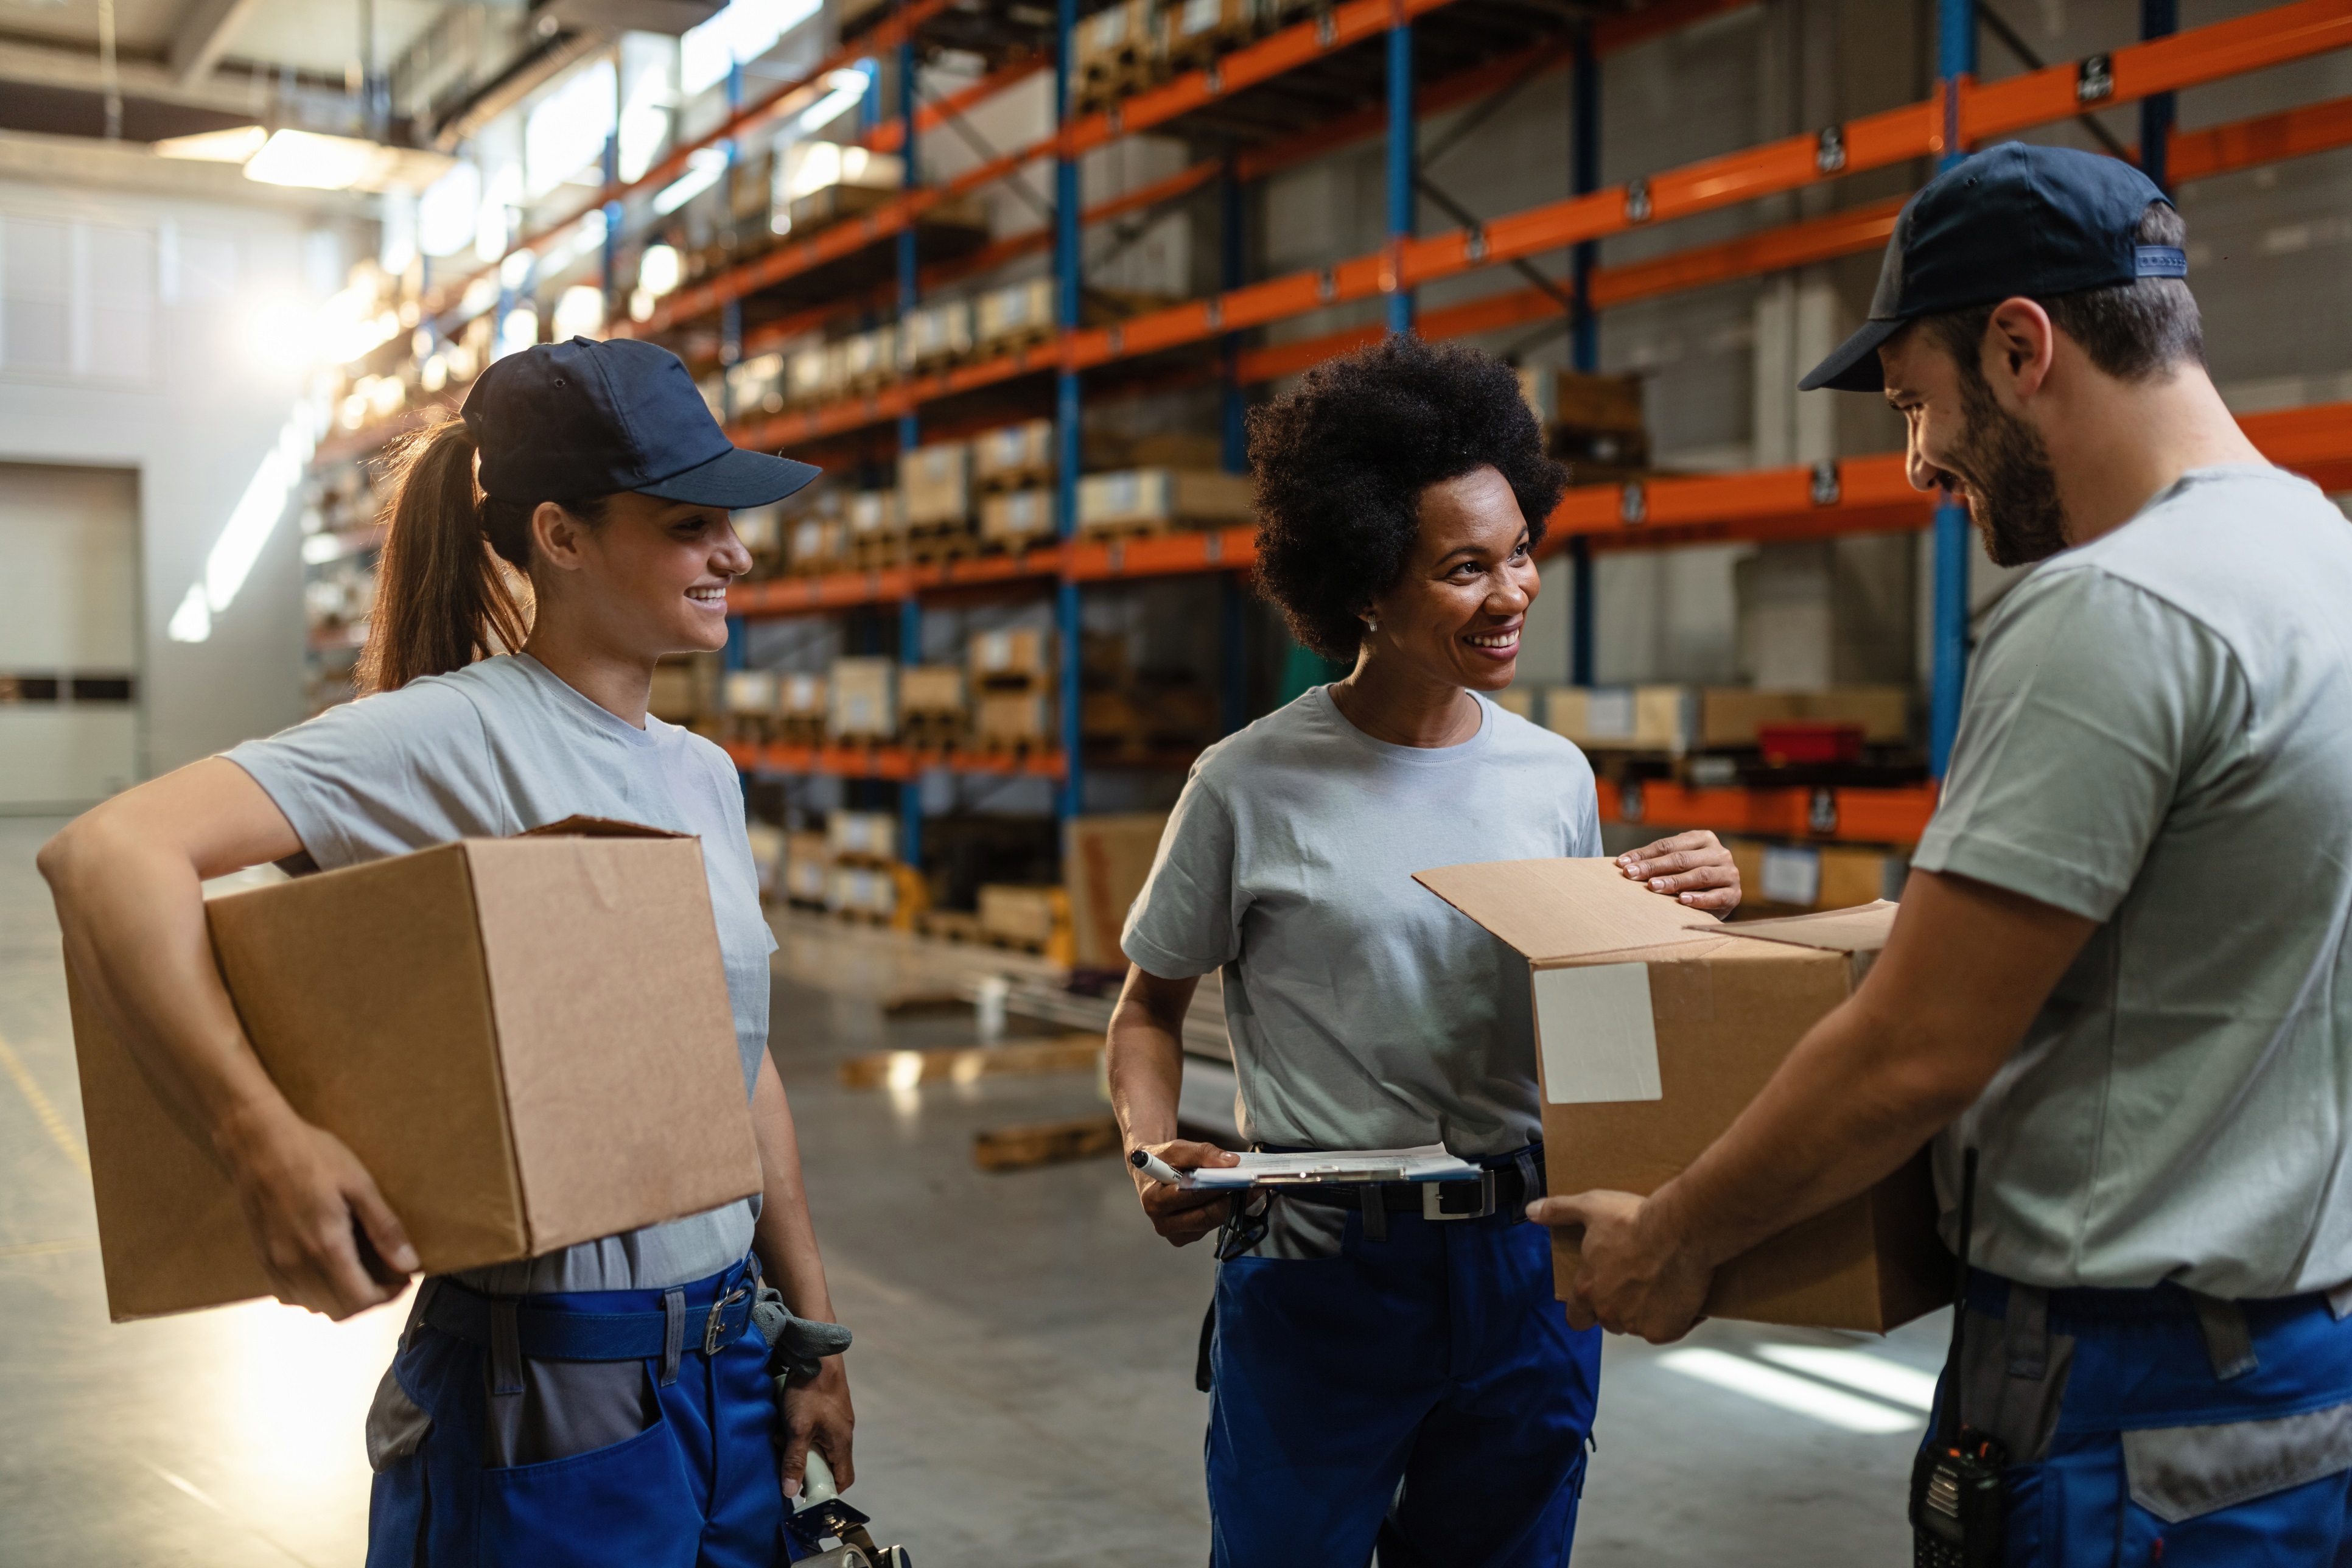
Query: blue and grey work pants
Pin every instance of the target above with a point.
(522, 1430)
(2160, 1427)
(1434, 1356)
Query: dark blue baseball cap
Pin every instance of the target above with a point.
(2012, 220)
(560, 421)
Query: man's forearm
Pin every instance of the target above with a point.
(786, 1237)
(1146, 1068)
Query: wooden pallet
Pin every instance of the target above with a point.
(1046, 1143)
(934, 732)
(943, 544)
(1013, 342)
(967, 1064)
(948, 925)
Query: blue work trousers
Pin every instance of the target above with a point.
(1437, 1357)
(697, 1488)
(2157, 1427)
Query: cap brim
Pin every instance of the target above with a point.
(735, 478)
(1854, 366)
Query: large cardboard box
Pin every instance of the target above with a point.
(863, 694)
(1020, 655)
(1654, 1028)
(935, 484)
(1623, 718)
(1155, 498)
(1012, 453)
(1015, 717)
(526, 1041)
(1105, 862)
(1014, 517)
(932, 688)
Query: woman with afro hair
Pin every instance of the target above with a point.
(1384, 1377)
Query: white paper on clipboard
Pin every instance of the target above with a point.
(1342, 1167)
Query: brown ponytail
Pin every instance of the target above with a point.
(445, 596)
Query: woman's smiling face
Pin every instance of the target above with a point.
(1456, 611)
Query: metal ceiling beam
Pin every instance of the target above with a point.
(201, 34)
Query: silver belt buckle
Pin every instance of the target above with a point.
(1433, 1199)
(716, 1323)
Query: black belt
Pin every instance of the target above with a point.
(512, 1331)
(1499, 1189)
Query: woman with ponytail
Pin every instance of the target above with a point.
(544, 551)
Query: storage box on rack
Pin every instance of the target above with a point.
(1015, 658)
(526, 1041)
(862, 699)
(1035, 918)
(1022, 313)
(1527, 701)
(756, 386)
(805, 377)
(767, 845)
(934, 690)
(801, 708)
(808, 861)
(819, 544)
(1817, 876)
(1731, 716)
(686, 688)
(934, 335)
(935, 485)
(870, 358)
(877, 527)
(1654, 1027)
(1014, 456)
(748, 693)
(1593, 421)
(1012, 720)
(1163, 498)
(1193, 32)
(868, 890)
(821, 182)
(1105, 862)
(1112, 42)
(761, 530)
(1625, 718)
(861, 837)
(1016, 519)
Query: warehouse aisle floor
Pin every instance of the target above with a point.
(1023, 1372)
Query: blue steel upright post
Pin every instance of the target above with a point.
(1233, 606)
(1401, 196)
(910, 608)
(1584, 339)
(1071, 798)
(1956, 64)
(2158, 20)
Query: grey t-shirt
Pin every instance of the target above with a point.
(1365, 1011)
(498, 748)
(2158, 736)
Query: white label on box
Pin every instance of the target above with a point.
(996, 650)
(1609, 713)
(1598, 1041)
(1793, 876)
(1198, 17)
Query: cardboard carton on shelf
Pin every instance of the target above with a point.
(1654, 1028)
(1105, 862)
(1163, 498)
(1017, 518)
(934, 334)
(1014, 719)
(861, 837)
(935, 484)
(1014, 453)
(686, 686)
(1625, 718)
(931, 689)
(514, 1081)
(1035, 918)
(801, 705)
(808, 860)
(1017, 658)
(1018, 313)
(862, 699)
(1817, 876)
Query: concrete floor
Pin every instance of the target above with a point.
(1023, 1370)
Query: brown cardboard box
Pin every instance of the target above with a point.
(1013, 452)
(1015, 717)
(1817, 876)
(1031, 916)
(526, 1041)
(936, 688)
(1159, 497)
(1015, 518)
(863, 694)
(1105, 862)
(808, 860)
(935, 484)
(1730, 715)
(861, 837)
(686, 685)
(1654, 1027)
(997, 656)
(1622, 718)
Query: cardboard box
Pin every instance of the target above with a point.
(1013, 451)
(1582, 401)
(526, 1041)
(1105, 862)
(767, 842)
(1623, 718)
(751, 691)
(808, 860)
(863, 836)
(862, 695)
(932, 688)
(1015, 717)
(1159, 497)
(1017, 517)
(999, 655)
(1729, 716)
(875, 515)
(1032, 917)
(1654, 1027)
(935, 484)
(800, 696)
(1818, 876)
(686, 686)
(934, 333)
(756, 385)
(1022, 311)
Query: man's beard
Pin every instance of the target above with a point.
(2012, 490)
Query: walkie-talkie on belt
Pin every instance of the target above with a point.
(1956, 1498)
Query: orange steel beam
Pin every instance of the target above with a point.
(2271, 138)
(886, 136)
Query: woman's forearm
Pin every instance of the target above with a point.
(1146, 1056)
(785, 1238)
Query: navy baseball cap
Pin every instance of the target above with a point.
(558, 421)
(2012, 220)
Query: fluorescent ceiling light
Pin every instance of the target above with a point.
(314, 162)
(1797, 1395)
(234, 145)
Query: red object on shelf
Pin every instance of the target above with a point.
(1802, 741)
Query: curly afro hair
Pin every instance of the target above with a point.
(1342, 459)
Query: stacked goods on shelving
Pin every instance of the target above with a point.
(1788, 727)
(748, 699)
(818, 540)
(935, 498)
(341, 541)
(1527, 701)
(934, 335)
(878, 529)
(1592, 423)
(1783, 878)
(1105, 862)
(1130, 715)
(1112, 52)
(865, 878)
(1191, 33)
(761, 530)
(1012, 680)
(1013, 456)
(933, 711)
(862, 703)
(1006, 318)
(756, 385)
(818, 183)
(1625, 718)
(808, 865)
(1033, 918)
(870, 359)
(1151, 501)
(1015, 519)
(861, 837)
(686, 690)
(767, 858)
(1738, 715)
(808, 376)
(801, 708)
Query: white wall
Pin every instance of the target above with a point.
(169, 371)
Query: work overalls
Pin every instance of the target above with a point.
(675, 1469)
(2161, 1426)
(1413, 1337)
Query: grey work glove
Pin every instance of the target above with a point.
(795, 1345)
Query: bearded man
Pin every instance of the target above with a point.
(2119, 988)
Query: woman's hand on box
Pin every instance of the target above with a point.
(1637, 1277)
(326, 1237)
(1184, 1214)
(1693, 868)
(818, 1412)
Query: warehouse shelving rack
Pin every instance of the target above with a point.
(1201, 337)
